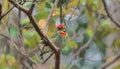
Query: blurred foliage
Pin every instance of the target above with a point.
(7, 61)
(13, 31)
(79, 23)
(118, 67)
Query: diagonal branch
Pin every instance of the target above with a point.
(16, 47)
(75, 11)
(32, 20)
(84, 46)
(108, 14)
(88, 43)
(54, 48)
(107, 64)
(3, 15)
(19, 6)
(23, 54)
(48, 57)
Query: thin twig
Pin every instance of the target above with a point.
(54, 48)
(32, 6)
(44, 53)
(107, 64)
(50, 16)
(15, 46)
(23, 54)
(109, 15)
(36, 0)
(82, 9)
(20, 34)
(4, 35)
(48, 58)
(32, 51)
(38, 44)
(3, 15)
(74, 11)
(19, 6)
(83, 47)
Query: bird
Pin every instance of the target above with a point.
(60, 37)
(61, 40)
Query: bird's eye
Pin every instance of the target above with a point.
(60, 28)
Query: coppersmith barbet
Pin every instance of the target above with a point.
(62, 41)
(60, 38)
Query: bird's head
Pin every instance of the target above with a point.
(61, 30)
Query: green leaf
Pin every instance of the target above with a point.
(86, 38)
(66, 50)
(116, 43)
(117, 67)
(87, 35)
(83, 2)
(10, 60)
(48, 4)
(51, 29)
(31, 38)
(13, 31)
(60, 1)
(72, 44)
(28, 33)
(5, 68)
(92, 4)
(90, 15)
(5, 5)
(101, 46)
(25, 21)
(90, 32)
(41, 15)
(27, 4)
(105, 23)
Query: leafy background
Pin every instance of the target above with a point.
(84, 16)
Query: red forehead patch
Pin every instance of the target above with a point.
(60, 26)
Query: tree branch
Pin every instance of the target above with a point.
(15, 46)
(107, 64)
(3, 15)
(19, 6)
(48, 57)
(57, 58)
(23, 54)
(108, 14)
(32, 6)
(75, 10)
(32, 20)
(84, 46)
(54, 48)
